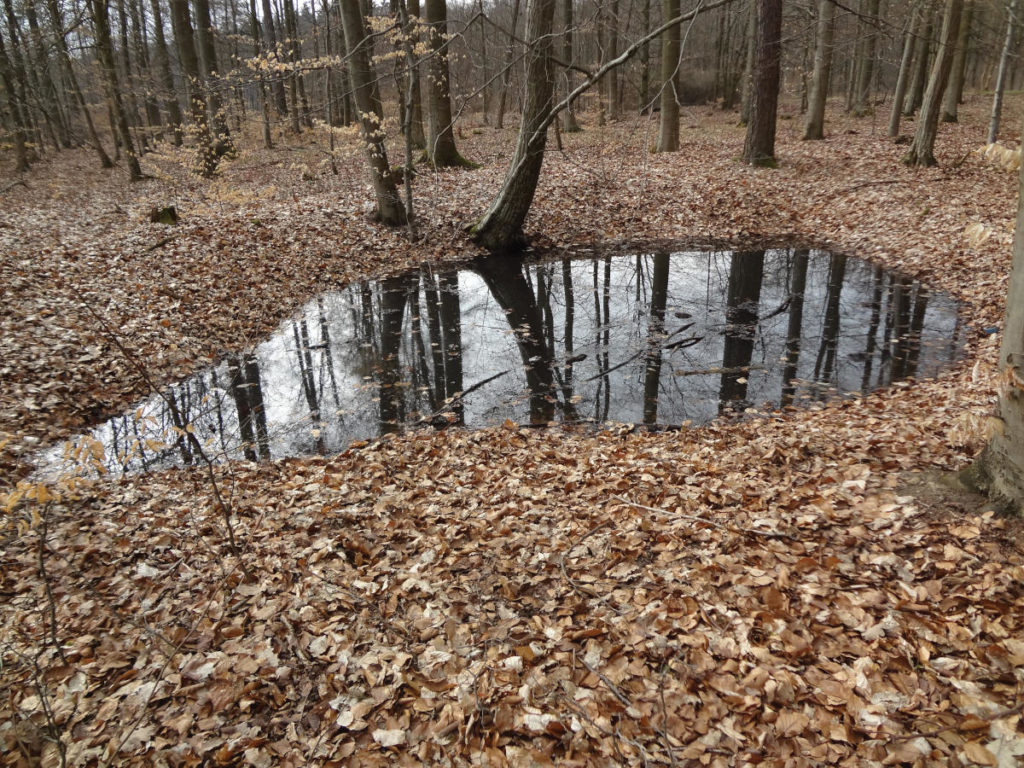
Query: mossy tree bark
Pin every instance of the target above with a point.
(501, 228)
(921, 150)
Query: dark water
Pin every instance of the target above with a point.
(658, 338)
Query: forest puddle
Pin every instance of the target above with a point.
(656, 339)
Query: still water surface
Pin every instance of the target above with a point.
(655, 338)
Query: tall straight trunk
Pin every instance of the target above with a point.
(868, 50)
(105, 52)
(166, 79)
(922, 54)
(139, 43)
(18, 98)
(501, 227)
(611, 81)
(921, 148)
(419, 139)
(914, 25)
(270, 34)
(390, 210)
(668, 133)
(645, 57)
(750, 39)
(759, 147)
(181, 23)
(48, 96)
(815, 127)
(22, 157)
(211, 77)
(258, 50)
(1004, 64)
(955, 91)
(441, 150)
(295, 56)
(506, 72)
(69, 73)
(569, 122)
(128, 79)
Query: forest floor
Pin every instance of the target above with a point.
(807, 588)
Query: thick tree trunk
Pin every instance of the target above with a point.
(921, 149)
(441, 150)
(367, 101)
(181, 23)
(210, 76)
(903, 78)
(922, 53)
(105, 52)
(750, 40)
(999, 470)
(866, 69)
(1004, 64)
(166, 79)
(955, 90)
(815, 128)
(668, 133)
(759, 148)
(501, 227)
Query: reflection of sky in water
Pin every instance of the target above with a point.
(319, 376)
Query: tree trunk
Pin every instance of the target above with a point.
(866, 70)
(105, 52)
(506, 74)
(921, 149)
(815, 128)
(750, 38)
(759, 148)
(270, 34)
(419, 139)
(999, 470)
(441, 150)
(163, 64)
(258, 50)
(501, 227)
(668, 133)
(913, 32)
(367, 101)
(955, 91)
(569, 122)
(922, 53)
(181, 23)
(72, 79)
(22, 159)
(210, 76)
(611, 81)
(1004, 63)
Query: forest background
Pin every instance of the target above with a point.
(801, 588)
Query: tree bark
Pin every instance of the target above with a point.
(441, 149)
(955, 90)
(921, 149)
(163, 64)
(1004, 64)
(866, 70)
(105, 52)
(913, 31)
(506, 74)
(922, 53)
(210, 76)
(501, 227)
(815, 127)
(569, 122)
(181, 23)
(270, 35)
(668, 133)
(367, 101)
(759, 148)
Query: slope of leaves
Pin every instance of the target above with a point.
(768, 591)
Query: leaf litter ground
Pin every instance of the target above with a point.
(791, 590)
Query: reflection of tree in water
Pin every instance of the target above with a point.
(825, 363)
(247, 391)
(655, 337)
(794, 328)
(743, 296)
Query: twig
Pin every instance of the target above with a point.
(14, 184)
(730, 528)
(160, 243)
(988, 719)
